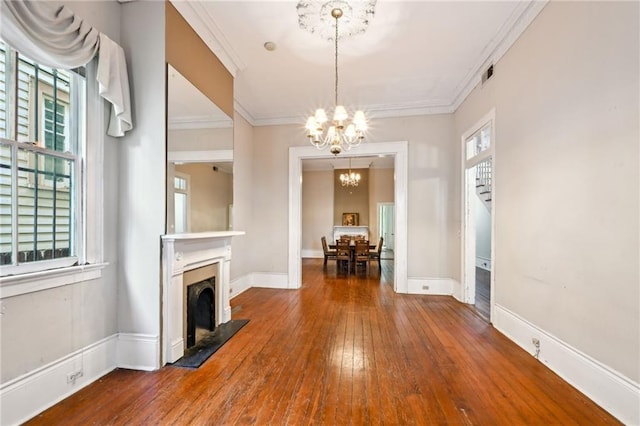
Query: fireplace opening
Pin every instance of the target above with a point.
(201, 314)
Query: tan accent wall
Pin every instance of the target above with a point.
(188, 54)
(348, 199)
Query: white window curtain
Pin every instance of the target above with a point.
(54, 36)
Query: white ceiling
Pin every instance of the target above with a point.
(416, 57)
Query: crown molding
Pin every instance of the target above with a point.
(206, 27)
(508, 34)
(517, 23)
(185, 123)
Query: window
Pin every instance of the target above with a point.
(42, 114)
(480, 141)
(181, 201)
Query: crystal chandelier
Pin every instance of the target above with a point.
(339, 134)
(351, 178)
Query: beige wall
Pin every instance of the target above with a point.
(434, 199)
(210, 193)
(349, 199)
(200, 139)
(241, 248)
(317, 209)
(318, 205)
(566, 97)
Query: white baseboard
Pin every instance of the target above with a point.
(312, 254)
(138, 351)
(239, 285)
(270, 280)
(28, 395)
(434, 286)
(614, 392)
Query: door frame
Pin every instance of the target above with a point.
(379, 220)
(400, 151)
(468, 232)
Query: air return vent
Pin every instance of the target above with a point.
(487, 74)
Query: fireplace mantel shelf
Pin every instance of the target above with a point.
(182, 253)
(201, 235)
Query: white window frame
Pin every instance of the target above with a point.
(187, 193)
(90, 202)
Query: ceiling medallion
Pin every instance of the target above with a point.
(316, 17)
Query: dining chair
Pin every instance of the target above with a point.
(328, 253)
(375, 254)
(361, 254)
(343, 254)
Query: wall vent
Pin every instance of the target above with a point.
(487, 74)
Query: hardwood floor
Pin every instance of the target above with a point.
(483, 293)
(344, 349)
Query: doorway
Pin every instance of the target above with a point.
(478, 204)
(386, 228)
(399, 150)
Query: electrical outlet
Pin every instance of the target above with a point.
(72, 377)
(536, 342)
(425, 287)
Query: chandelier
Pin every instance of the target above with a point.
(351, 178)
(339, 134)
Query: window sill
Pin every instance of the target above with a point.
(16, 285)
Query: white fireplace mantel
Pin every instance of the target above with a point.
(183, 252)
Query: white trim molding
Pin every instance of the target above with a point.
(24, 397)
(432, 286)
(400, 151)
(239, 285)
(16, 285)
(614, 392)
(214, 155)
(138, 351)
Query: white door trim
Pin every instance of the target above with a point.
(467, 245)
(400, 152)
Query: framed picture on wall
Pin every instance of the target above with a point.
(350, 219)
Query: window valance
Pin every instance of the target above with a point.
(54, 36)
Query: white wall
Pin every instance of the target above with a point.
(41, 327)
(142, 175)
(483, 231)
(47, 334)
(566, 97)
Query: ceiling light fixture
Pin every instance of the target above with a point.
(339, 134)
(351, 178)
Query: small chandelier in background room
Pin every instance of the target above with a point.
(351, 178)
(339, 134)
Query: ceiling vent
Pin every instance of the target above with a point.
(487, 74)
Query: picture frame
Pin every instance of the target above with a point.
(350, 219)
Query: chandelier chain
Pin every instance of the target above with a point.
(336, 62)
(341, 132)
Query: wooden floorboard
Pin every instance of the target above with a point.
(343, 349)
